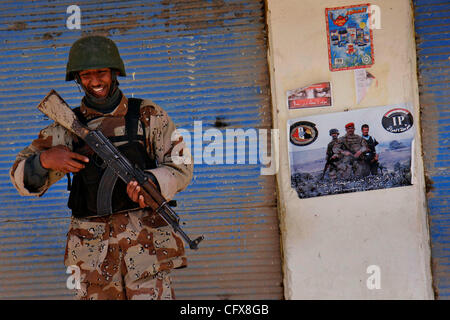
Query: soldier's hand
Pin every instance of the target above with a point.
(357, 154)
(134, 191)
(60, 158)
(135, 194)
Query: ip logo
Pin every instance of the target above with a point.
(397, 120)
(374, 280)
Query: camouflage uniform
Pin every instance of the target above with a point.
(348, 167)
(126, 255)
(332, 169)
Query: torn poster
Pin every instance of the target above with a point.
(352, 151)
(316, 95)
(363, 80)
(349, 36)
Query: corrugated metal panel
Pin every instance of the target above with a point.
(432, 22)
(200, 60)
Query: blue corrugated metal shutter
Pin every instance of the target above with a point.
(200, 60)
(432, 23)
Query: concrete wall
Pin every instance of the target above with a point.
(329, 242)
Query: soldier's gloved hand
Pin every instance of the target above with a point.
(60, 158)
(134, 191)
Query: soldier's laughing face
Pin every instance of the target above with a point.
(97, 81)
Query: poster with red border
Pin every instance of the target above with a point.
(316, 95)
(349, 37)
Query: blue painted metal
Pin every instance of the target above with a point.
(201, 61)
(432, 24)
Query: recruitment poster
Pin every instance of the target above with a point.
(350, 40)
(359, 150)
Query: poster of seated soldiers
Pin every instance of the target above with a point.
(352, 151)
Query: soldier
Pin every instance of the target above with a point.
(331, 158)
(129, 254)
(371, 156)
(350, 149)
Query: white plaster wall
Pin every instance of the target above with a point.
(328, 242)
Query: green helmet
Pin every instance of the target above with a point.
(93, 52)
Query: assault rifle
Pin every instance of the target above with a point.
(117, 165)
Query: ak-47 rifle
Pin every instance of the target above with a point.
(117, 165)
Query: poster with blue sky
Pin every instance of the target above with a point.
(350, 40)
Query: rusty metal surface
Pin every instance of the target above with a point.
(432, 24)
(201, 61)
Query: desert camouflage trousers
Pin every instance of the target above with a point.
(124, 256)
(349, 168)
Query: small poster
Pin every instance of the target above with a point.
(316, 95)
(358, 150)
(350, 40)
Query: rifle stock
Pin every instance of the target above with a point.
(54, 107)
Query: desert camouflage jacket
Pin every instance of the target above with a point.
(162, 140)
(353, 143)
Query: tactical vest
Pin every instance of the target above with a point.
(85, 184)
(370, 154)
